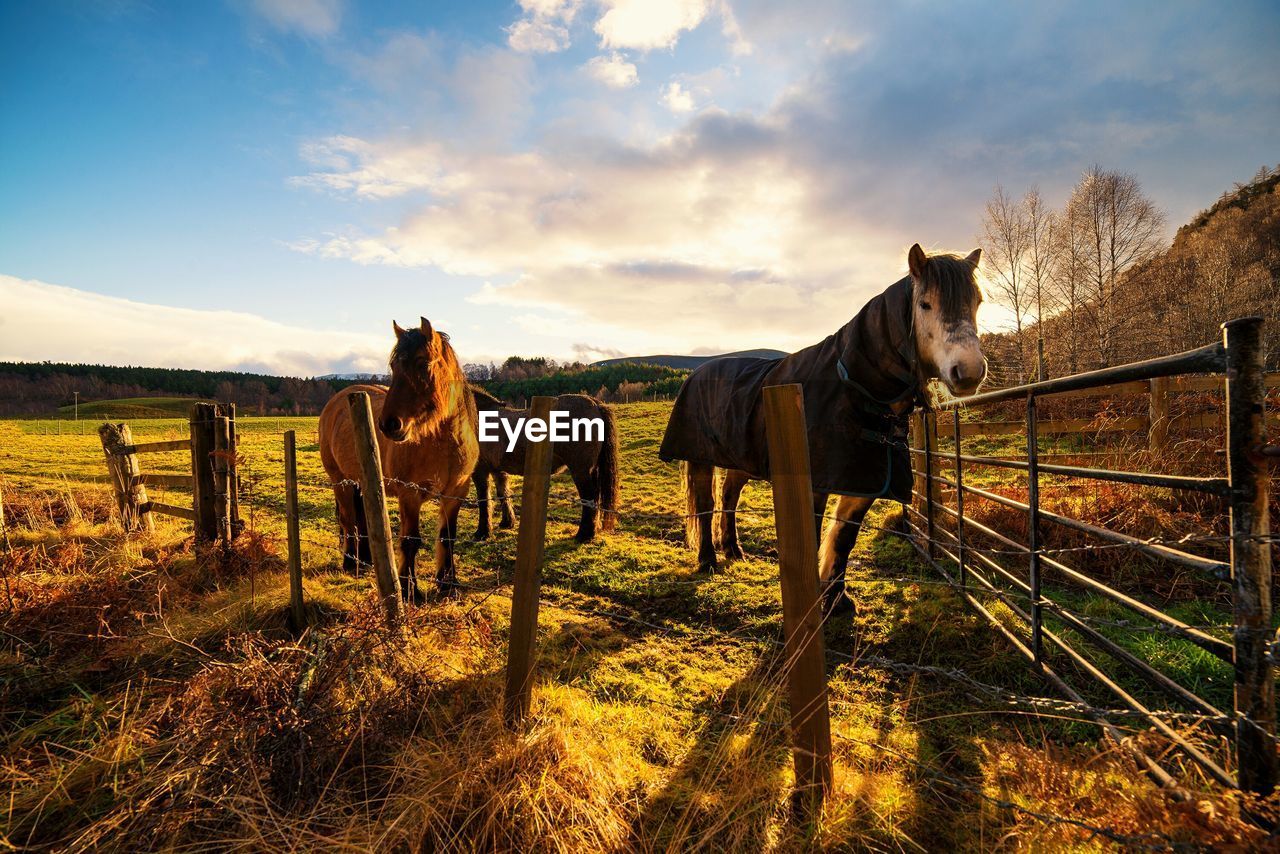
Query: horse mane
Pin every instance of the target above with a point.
(448, 382)
(952, 277)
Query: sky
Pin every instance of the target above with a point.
(266, 184)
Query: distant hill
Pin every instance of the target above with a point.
(133, 408)
(686, 363)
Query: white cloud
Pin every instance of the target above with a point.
(544, 26)
(108, 330)
(314, 18)
(648, 24)
(534, 35)
(613, 71)
(349, 165)
(676, 98)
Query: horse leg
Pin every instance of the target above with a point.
(588, 496)
(481, 480)
(730, 491)
(699, 510)
(833, 559)
(364, 551)
(508, 519)
(345, 497)
(446, 571)
(410, 543)
(819, 511)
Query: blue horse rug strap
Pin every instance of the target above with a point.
(851, 381)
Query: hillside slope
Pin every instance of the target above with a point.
(687, 363)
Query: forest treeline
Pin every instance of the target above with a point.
(1095, 282)
(41, 388)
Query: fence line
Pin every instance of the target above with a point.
(1249, 567)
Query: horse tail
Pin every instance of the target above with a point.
(607, 472)
(719, 520)
(692, 521)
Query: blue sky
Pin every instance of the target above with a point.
(265, 184)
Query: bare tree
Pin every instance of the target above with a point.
(1004, 239)
(1041, 222)
(1066, 280)
(1118, 228)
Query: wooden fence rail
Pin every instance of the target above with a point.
(214, 482)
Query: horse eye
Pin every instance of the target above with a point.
(926, 306)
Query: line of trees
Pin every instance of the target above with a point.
(1094, 283)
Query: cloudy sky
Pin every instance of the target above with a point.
(265, 184)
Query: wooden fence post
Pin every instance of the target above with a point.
(126, 477)
(1158, 415)
(202, 484)
(233, 468)
(222, 483)
(373, 490)
(933, 489)
(297, 608)
(1255, 702)
(915, 441)
(801, 611)
(530, 542)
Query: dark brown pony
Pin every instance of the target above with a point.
(593, 464)
(427, 441)
(860, 384)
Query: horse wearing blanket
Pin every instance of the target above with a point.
(860, 386)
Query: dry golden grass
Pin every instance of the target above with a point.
(151, 697)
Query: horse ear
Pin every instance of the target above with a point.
(974, 257)
(399, 332)
(425, 328)
(916, 261)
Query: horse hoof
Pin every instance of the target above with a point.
(448, 590)
(480, 537)
(585, 536)
(710, 567)
(837, 603)
(414, 596)
(507, 524)
(734, 552)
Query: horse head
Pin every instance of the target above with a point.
(945, 300)
(423, 369)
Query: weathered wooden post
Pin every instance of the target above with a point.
(233, 468)
(373, 490)
(202, 483)
(530, 542)
(915, 441)
(297, 608)
(222, 484)
(1158, 415)
(801, 611)
(1255, 702)
(126, 477)
(933, 489)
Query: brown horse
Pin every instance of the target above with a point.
(592, 462)
(427, 422)
(860, 385)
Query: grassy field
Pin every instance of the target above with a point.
(151, 696)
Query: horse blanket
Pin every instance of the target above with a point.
(851, 380)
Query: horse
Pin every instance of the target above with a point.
(428, 447)
(860, 385)
(592, 462)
